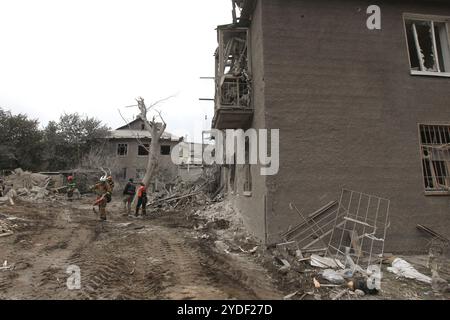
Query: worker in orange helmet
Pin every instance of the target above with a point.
(71, 187)
(103, 191)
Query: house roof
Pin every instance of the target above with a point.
(141, 134)
(130, 124)
(129, 131)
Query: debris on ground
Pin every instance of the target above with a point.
(404, 269)
(339, 245)
(6, 229)
(438, 284)
(290, 296)
(26, 179)
(324, 270)
(325, 262)
(33, 187)
(332, 276)
(5, 266)
(180, 196)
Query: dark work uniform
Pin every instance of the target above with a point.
(142, 200)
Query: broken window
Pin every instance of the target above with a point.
(435, 152)
(143, 149)
(122, 149)
(165, 150)
(428, 45)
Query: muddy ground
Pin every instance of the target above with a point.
(159, 257)
(175, 255)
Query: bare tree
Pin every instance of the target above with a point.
(99, 158)
(156, 130)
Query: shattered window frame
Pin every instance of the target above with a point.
(143, 150)
(437, 45)
(434, 140)
(122, 149)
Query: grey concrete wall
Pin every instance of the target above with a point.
(348, 110)
(252, 207)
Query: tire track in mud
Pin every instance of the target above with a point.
(123, 259)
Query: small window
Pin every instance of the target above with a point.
(435, 153)
(142, 126)
(165, 150)
(428, 46)
(143, 150)
(122, 149)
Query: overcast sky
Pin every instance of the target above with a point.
(96, 56)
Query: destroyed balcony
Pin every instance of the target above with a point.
(233, 109)
(233, 106)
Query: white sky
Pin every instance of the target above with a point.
(96, 56)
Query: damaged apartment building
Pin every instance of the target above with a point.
(357, 108)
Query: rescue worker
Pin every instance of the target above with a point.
(71, 186)
(128, 193)
(111, 183)
(103, 191)
(142, 199)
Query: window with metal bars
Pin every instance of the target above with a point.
(435, 153)
(122, 149)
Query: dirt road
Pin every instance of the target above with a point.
(159, 257)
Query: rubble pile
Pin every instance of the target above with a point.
(221, 210)
(6, 228)
(31, 187)
(313, 275)
(180, 196)
(228, 227)
(25, 179)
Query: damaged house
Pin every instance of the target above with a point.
(357, 109)
(129, 145)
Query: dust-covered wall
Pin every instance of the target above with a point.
(253, 207)
(348, 111)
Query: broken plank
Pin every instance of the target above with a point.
(6, 234)
(340, 294)
(313, 215)
(432, 233)
(169, 199)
